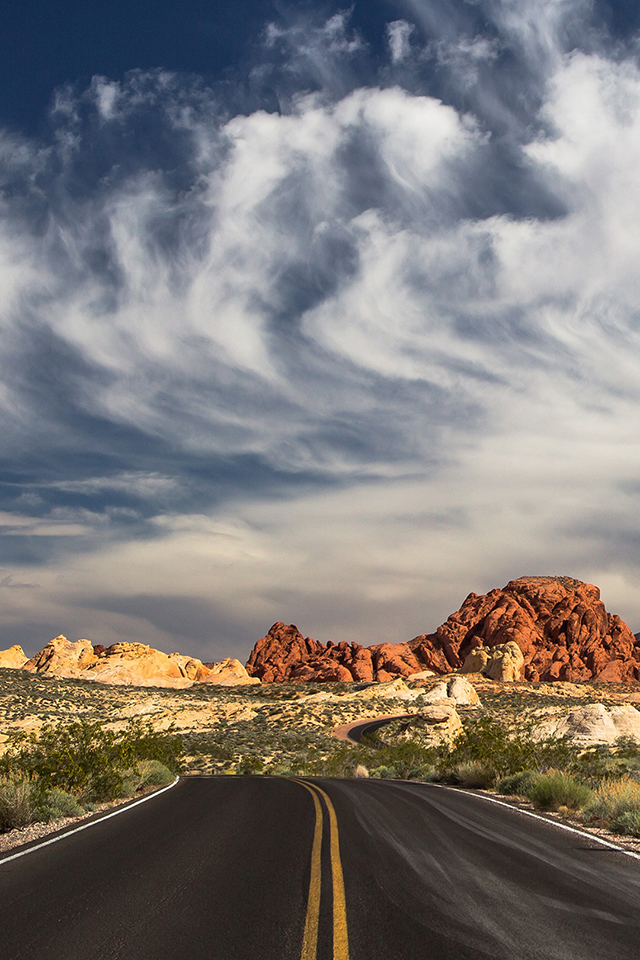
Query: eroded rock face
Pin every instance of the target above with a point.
(14, 657)
(228, 672)
(560, 625)
(435, 724)
(594, 724)
(62, 658)
(535, 628)
(131, 664)
(504, 662)
(284, 654)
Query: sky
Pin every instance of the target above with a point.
(316, 313)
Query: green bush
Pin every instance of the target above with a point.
(627, 823)
(152, 773)
(384, 773)
(58, 803)
(519, 783)
(87, 760)
(472, 774)
(613, 799)
(487, 742)
(19, 801)
(627, 747)
(555, 789)
(250, 765)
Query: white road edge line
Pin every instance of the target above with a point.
(536, 816)
(85, 826)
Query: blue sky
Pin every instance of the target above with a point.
(315, 313)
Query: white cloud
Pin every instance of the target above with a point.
(399, 39)
(335, 292)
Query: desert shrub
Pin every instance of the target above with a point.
(361, 771)
(144, 743)
(471, 773)
(145, 775)
(627, 747)
(58, 803)
(597, 764)
(19, 801)
(384, 773)
(85, 759)
(627, 823)
(250, 764)
(556, 789)
(613, 799)
(519, 783)
(489, 744)
(152, 773)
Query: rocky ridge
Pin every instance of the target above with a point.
(132, 664)
(534, 628)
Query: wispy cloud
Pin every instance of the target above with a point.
(243, 347)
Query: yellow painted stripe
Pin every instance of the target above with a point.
(310, 938)
(340, 930)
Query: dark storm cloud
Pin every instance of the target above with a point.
(379, 270)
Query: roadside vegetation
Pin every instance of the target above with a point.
(285, 729)
(600, 785)
(70, 769)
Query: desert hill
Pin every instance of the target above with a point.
(133, 664)
(534, 628)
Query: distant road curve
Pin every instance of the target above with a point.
(355, 730)
(266, 868)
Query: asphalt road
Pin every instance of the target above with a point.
(357, 730)
(244, 868)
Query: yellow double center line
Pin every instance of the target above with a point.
(340, 932)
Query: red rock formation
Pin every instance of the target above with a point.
(560, 624)
(284, 654)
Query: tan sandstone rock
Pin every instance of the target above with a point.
(132, 664)
(62, 658)
(594, 724)
(227, 672)
(463, 692)
(14, 657)
(506, 662)
(476, 661)
(458, 689)
(136, 664)
(435, 724)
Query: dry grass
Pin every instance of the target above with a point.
(613, 799)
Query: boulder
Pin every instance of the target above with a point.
(189, 667)
(476, 661)
(62, 658)
(462, 692)
(228, 672)
(594, 724)
(435, 724)
(457, 689)
(14, 657)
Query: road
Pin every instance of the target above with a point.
(356, 730)
(259, 868)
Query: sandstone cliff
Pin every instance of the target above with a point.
(133, 664)
(14, 657)
(535, 628)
